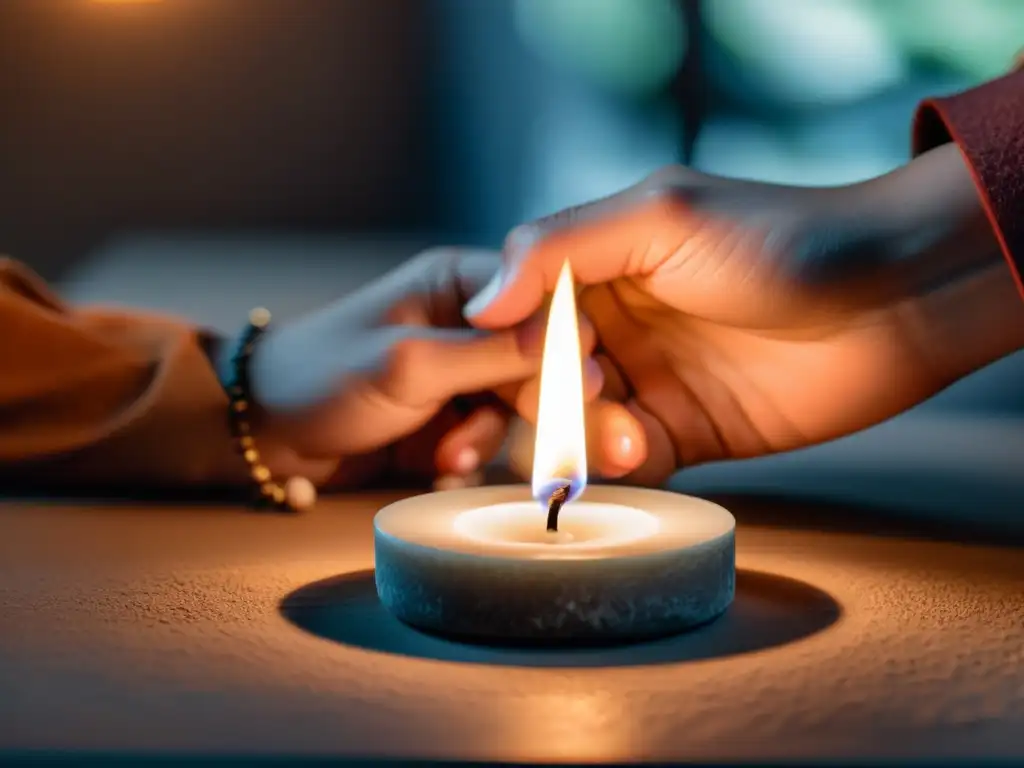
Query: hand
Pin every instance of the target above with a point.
(737, 319)
(392, 381)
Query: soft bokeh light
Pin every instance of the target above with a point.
(629, 46)
(978, 39)
(806, 52)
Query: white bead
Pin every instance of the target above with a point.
(300, 493)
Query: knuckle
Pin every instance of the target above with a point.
(667, 177)
(668, 189)
(667, 203)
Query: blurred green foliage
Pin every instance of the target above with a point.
(796, 50)
(632, 47)
(975, 38)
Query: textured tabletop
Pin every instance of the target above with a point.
(210, 630)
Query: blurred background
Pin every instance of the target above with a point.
(200, 156)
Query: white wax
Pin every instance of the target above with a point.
(625, 562)
(584, 527)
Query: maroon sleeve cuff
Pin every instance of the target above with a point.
(987, 123)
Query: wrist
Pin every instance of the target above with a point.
(272, 438)
(966, 306)
(930, 216)
(969, 322)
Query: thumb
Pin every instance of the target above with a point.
(602, 241)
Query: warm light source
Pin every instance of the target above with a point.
(486, 562)
(124, 2)
(560, 451)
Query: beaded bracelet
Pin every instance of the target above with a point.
(298, 493)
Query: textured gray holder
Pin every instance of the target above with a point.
(490, 598)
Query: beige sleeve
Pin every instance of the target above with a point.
(105, 399)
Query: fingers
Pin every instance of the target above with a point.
(530, 334)
(428, 289)
(424, 365)
(526, 398)
(605, 240)
(473, 443)
(474, 269)
(615, 386)
(659, 462)
(419, 355)
(616, 442)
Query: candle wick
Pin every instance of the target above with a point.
(555, 504)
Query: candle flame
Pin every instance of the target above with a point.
(560, 451)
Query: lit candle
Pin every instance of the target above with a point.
(541, 564)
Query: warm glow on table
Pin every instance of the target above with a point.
(133, 629)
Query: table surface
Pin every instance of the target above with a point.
(204, 629)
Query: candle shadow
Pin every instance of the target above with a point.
(768, 611)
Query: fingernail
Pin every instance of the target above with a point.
(467, 461)
(519, 240)
(625, 444)
(625, 447)
(485, 296)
